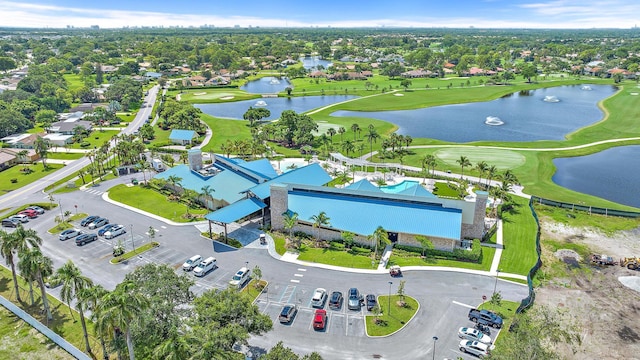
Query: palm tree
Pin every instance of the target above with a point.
(341, 131)
(175, 347)
(174, 180)
(15, 243)
(28, 274)
(491, 173)
(187, 196)
(348, 146)
(482, 168)
(463, 162)
(91, 296)
(290, 221)
(73, 282)
(207, 190)
(381, 237)
(331, 131)
(143, 166)
(509, 177)
(356, 129)
(184, 157)
(320, 220)
(372, 136)
(119, 308)
(40, 266)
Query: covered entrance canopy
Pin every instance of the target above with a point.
(233, 212)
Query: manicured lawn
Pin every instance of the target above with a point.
(65, 156)
(405, 258)
(253, 289)
(204, 96)
(502, 159)
(519, 234)
(74, 81)
(336, 258)
(96, 139)
(279, 242)
(22, 178)
(153, 202)
(442, 189)
(393, 318)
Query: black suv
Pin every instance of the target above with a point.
(335, 302)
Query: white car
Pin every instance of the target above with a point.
(98, 223)
(240, 278)
(20, 217)
(115, 231)
(319, 298)
(475, 348)
(192, 262)
(473, 334)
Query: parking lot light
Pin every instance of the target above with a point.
(390, 283)
(435, 338)
(132, 243)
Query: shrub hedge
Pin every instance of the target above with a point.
(475, 255)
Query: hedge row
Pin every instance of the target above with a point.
(475, 255)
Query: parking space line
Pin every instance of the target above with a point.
(298, 275)
(294, 281)
(290, 290)
(465, 305)
(302, 269)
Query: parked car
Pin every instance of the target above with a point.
(355, 299)
(204, 267)
(115, 231)
(69, 233)
(287, 314)
(88, 220)
(473, 334)
(86, 238)
(20, 217)
(37, 209)
(10, 222)
(52, 282)
(319, 298)
(32, 214)
(191, 262)
(105, 228)
(371, 301)
(240, 278)
(335, 301)
(475, 348)
(98, 223)
(485, 317)
(320, 319)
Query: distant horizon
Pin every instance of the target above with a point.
(416, 14)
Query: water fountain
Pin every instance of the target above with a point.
(551, 98)
(494, 121)
(274, 81)
(261, 103)
(586, 87)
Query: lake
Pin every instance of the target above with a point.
(313, 62)
(235, 110)
(266, 85)
(611, 174)
(541, 114)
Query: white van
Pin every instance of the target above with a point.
(240, 278)
(204, 267)
(192, 263)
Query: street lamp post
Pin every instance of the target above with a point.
(435, 338)
(61, 213)
(389, 304)
(132, 243)
(496, 283)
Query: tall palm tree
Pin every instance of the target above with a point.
(319, 221)
(348, 146)
(341, 131)
(15, 243)
(463, 162)
(143, 166)
(381, 237)
(120, 307)
(482, 167)
(91, 297)
(175, 347)
(290, 221)
(331, 131)
(174, 180)
(207, 190)
(492, 171)
(356, 129)
(73, 282)
(372, 136)
(509, 177)
(40, 266)
(28, 273)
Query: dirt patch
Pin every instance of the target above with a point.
(606, 311)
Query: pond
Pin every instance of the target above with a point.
(313, 62)
(266, 85)
(542, 114)
(605, 174)
(235, 110)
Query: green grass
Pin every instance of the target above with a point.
(442, 189)
(62, 324)
(335, 257)
(502, 159)
(74, 81)
(405, 258)
(65, 156)
(279, 242)
(253, 289)
(96, 139)
(128, 255)
(581, 219)
(59, 228)
(24, 179)
(393, 318)
(519, 234)
(153, 202)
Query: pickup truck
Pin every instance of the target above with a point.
(485, 317)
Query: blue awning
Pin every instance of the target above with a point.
(235, 211)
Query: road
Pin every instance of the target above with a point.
(19, 196)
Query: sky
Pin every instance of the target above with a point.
(550, 14)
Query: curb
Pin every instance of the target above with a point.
(393, 333)
(106, 198)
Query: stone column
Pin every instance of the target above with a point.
(279, 205)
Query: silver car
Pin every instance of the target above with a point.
(115, 231)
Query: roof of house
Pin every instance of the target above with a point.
(262, 167)
(56, 136)
(364, 214)
(182, 134)
(65, 126)
(312, 174)
(6, 157)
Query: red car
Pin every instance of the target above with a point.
(30, 213)
(320, 319)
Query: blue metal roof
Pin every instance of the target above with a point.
(363, 185)
(228, 185)
(417, 190)
(235, 211)
(312, 174)
(182, 135)
(262, 167)
(363, 215)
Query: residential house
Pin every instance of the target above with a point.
(418, 73)
(7, 159)
(21, 141)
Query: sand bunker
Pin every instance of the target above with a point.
(398, 94)
(200, 93)
(227, 98)
(634, 93)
